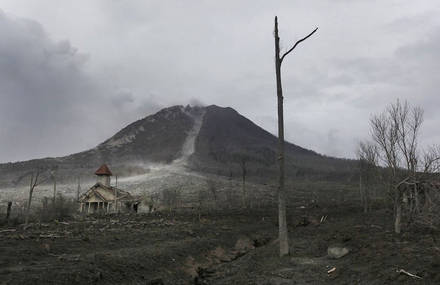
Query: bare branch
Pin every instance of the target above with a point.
(368, 152)
(431, 160)
(297, 43)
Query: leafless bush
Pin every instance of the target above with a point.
(202, 201)
(62, 209)
(231, 198)
(422, 210)
(151, 200)
(171, 197)
(36, 179)
(213, 190)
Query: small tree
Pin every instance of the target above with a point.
(202, 197)
(150, 200)
(8, 211)
(35, 181)
(243, 162)
(229, 191)
(171, 197)
(54, 180)
(212, 187)
(368, 165)
(395, 134)
(64, 208)
(78, 188)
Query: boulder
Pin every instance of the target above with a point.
(336, 252)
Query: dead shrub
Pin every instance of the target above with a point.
(64, 208)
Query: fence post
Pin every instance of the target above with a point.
(8, 211)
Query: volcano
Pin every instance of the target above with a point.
(209, 139)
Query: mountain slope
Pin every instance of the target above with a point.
(213, 139)
(227, 139)
(156, 138)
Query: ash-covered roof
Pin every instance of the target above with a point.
(106, 194)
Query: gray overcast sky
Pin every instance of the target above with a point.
(72, 73)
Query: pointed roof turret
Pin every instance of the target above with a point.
(103, 170)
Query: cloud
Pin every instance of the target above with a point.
(134, 57)
(360, 86)
(50, 105)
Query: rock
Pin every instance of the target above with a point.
(46, 247)
(157, 281)
(336, 252)
(244, 244)
(98, 276)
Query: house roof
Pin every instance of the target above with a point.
(106, 194)
(103, 170)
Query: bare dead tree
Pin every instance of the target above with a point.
(53, 176)
(171, 197)
(431, 189)
(201, 199)
(395, 132)
(45, 202)
(282, 223)
(54, 179)
(115, 200)
(407, 122)
(8, 211)
(244, 197)
(154, 200)
(151, 200)
(229, 191)
(78, 188)
(368, 164)
(431, 160)
(212, 187)
(35, 181)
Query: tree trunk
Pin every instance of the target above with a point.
(54, 190)
(243, 186)
(398, 214)
(366, 199)
(416, 200)
(428, 200)
(78, 189)
(8, 211)
(45, 202)
(243, 190)
(28, 208)
(116, 200)
(361, 190)
(282, 223)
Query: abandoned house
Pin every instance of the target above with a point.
(103, 198)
